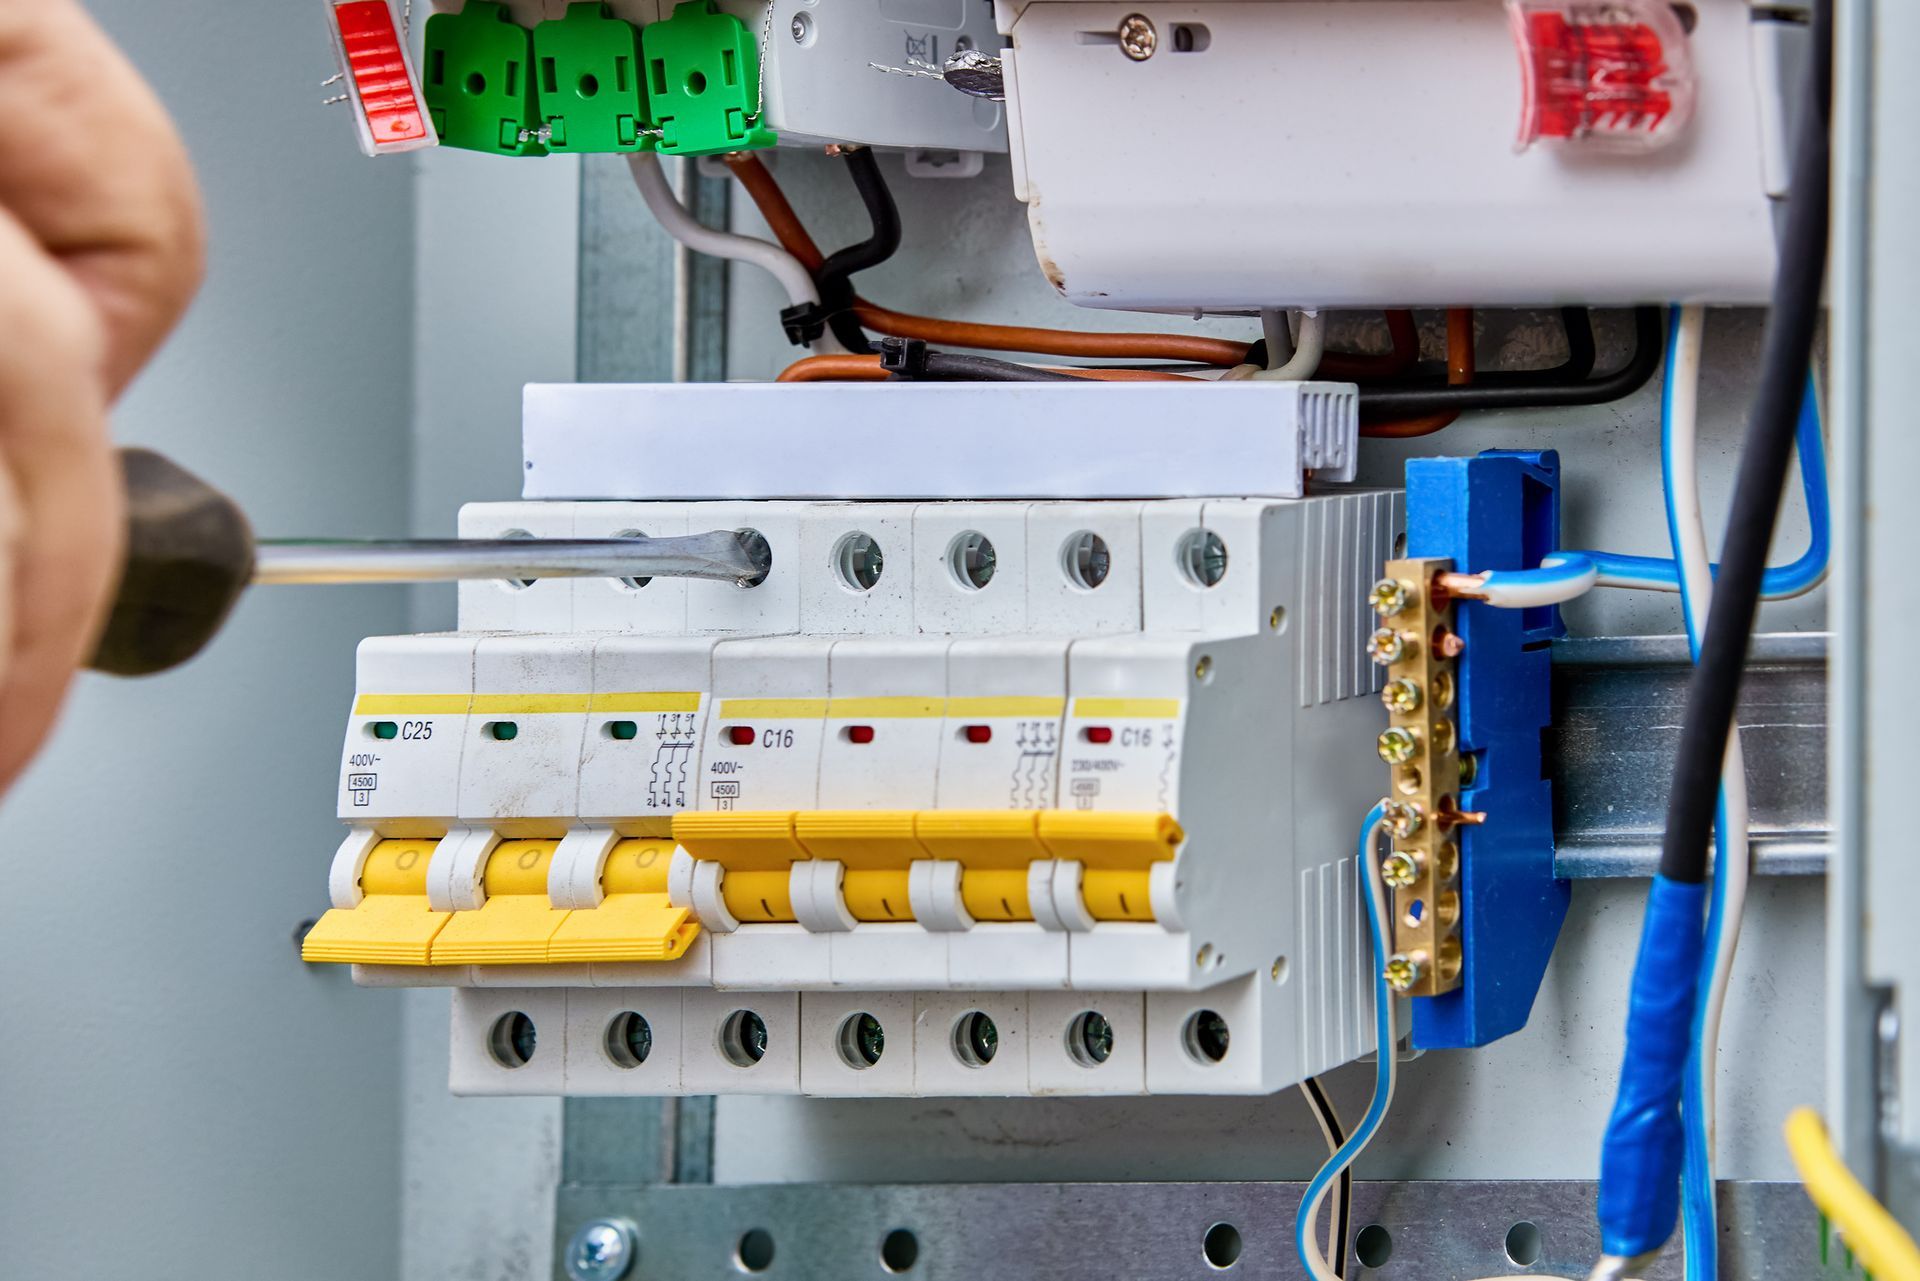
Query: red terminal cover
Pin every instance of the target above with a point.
(380, 77)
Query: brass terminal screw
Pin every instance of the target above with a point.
(1138, 39)
(1401, 696)
(1404, 970)
(1397, 746)
(1386, 647)
(1403, 818)
(1443, 737)
(1400, 869)
(1389, 596)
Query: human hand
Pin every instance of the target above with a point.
(100, 251)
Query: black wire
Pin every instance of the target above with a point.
(946, 366)
(1714, 687)
(1534, 389)
(1343, 1204)
(833, 278)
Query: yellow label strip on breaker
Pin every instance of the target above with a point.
(412, 704)
(643, 703)
(392, 924)
(779, 709)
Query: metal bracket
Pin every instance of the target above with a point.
(1432, 1231)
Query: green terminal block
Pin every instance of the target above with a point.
(588, 72)
(479, 81)
(703, 82)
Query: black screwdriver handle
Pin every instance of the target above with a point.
(190, 553)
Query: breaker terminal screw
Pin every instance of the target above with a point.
(1400, 869)
(1389, 596)
(1404, 970)
(1401, 696)
(1403, 818)
(602, 1250)
(1138, 39)
(1397, 746)
(1386, 647)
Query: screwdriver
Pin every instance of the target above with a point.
(191, 554)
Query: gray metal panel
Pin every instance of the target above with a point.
(1166, 1231)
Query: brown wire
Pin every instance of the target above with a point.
(814, 369)
(1460, 370)
(764, 190)
(811, 369)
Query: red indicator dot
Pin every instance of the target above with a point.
(740, 735)
(859, 733)
(1098, 733)
(979, 733)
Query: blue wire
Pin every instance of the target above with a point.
(1383, 1049)
(1702, 1235)
(1790, 579)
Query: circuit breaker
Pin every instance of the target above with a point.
(1027, 796)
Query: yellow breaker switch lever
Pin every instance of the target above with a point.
(635, 922)
(392, 924)
(515, 923)
(995, 849)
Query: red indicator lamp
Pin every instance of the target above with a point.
(1616, 74)
(860, 734)
(740, 735)
(979, 733)
(1098, 733)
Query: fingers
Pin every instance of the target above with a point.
(92, 169)
(60, 500)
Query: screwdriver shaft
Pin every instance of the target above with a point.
(722, 555)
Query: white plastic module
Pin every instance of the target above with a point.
(1069, 811)
(822, 84)
(937, 440)
(1352, 204)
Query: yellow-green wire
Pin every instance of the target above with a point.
(1875, 1237)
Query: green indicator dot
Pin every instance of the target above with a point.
(505, 731)
(623, 730)
(385, 729)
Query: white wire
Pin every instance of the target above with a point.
(1334, 1244)
(1683, 462)
(1307, 349)
(1389, 1070)
(657, 191)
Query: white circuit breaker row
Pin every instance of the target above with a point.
(933, 808)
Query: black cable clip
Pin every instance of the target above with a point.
(904, 357)
(804, 323)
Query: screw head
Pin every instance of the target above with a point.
(1403, 971)
(1400, 869)
(1138, 39)
(1397, 746)
(1403, 818)
(1389, 596)
(1386, 647)
(799, 28)
(602, 1250)
(1401, 696)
